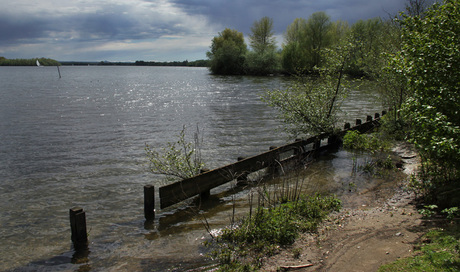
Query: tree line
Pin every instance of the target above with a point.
(305, 46)
(413, 59)
(28, 62)
(185, 63)
(51, 62)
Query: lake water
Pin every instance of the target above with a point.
(79, 141)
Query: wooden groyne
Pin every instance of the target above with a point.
(201, 184)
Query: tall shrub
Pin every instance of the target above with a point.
(430, 60)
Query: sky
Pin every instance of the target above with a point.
(153, 30)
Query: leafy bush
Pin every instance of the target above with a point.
(430, 62)
(179, 160)
(269, 228)
(354, 140)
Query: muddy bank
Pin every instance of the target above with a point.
(361, 237)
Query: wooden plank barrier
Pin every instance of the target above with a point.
(204, 182)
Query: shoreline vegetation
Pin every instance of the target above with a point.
(51, 62)
(416, 65)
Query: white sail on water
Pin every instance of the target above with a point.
(38, 63)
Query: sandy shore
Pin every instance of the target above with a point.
(360, 238)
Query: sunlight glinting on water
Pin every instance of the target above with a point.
(79, 141)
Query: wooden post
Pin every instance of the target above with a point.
(347, 126)
(206, 194)
(384, 112)
(275, 167)
(317, 144)
(369, 118)
(333, 140)
(78, 228)
(241, 178)
(377, 115)
(299, 150)
(149, 202)
(358, 122)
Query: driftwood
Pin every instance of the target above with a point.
(291, 267)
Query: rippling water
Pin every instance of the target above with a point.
(79, 141)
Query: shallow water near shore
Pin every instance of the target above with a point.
(79, 141)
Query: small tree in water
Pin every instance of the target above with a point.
(179, 160)
(311, 105)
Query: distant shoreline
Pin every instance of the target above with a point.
(51, 62)
(197, 63)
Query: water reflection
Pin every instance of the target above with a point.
(79, 141)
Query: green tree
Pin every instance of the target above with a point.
(311, 104)
(366, 34)
(417, 7)
(263, 59)
(318, 36)
(262, 35)
(227, 54)
(430, 61)
(305, 42)
(295, 31)
(294, 54)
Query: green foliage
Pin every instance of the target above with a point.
(430, 61)
(311, 105)
(393, 128)
(179, 160)
(318, 36)
(428, 211)
(304, 107)
(353, 140)
(228, 52)
(269, 228)
(372, 146)
(263, 60)
(262, 35)
(28, 62)
(305, 47)
(439, 251)
(262, 63)
(305, 41)
(451, 212)
(367, 37)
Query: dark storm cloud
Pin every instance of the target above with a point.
(12, 30)
(240, 14)
(95, 26)
(129, 29)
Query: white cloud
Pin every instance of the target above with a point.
(143, 29)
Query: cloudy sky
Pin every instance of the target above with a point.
(152, 30)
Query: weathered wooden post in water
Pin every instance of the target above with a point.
(149, 202)
(78, 228)
(206, 194)
(241, 178)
